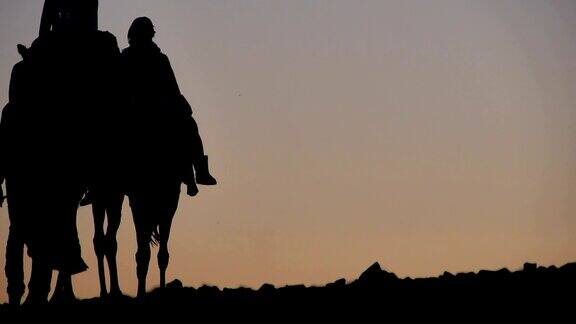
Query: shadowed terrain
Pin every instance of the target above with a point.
(532, 291)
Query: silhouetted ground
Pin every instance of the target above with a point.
(533, 292)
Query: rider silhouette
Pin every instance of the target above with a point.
(151, 84)
(62, 14)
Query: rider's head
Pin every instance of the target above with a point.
(141, 31)
(75, 15)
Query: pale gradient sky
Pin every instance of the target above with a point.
(427, 135)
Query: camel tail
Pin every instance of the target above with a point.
(155, 237)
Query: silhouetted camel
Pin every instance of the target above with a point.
(164, 146)
(80, 18)
(30, 222)
(66, 92)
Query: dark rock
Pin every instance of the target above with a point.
(266, 288)
(337, 284)
(208, 290)
(569, 267)
(530, 267)
(375, 274)
(174, 284)
(240, 291)
(494, 275)
(447, 275)
(465, 275)
(374, 269)
(294, 287)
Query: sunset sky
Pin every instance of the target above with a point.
(428, 135)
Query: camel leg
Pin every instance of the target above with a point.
(163, 255)
(98, 212)
(114, 212)
(64, 291)
(39, 285)
(142, 263)
(112, 266)
(143, 235)
(15, 265)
